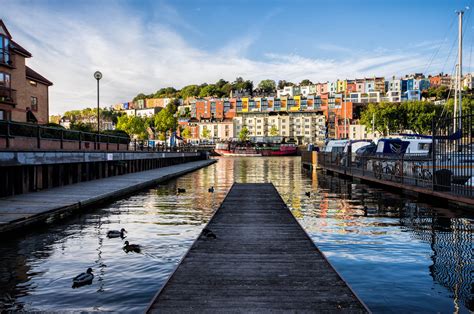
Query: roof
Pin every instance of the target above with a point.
(35, 76)
(2, 26)
(19, 49)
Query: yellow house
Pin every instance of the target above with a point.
(245, 105)
(341, 86)
(297, 100)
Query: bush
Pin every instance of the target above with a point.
(125, 138)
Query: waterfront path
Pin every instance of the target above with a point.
(262, 260)
(22, 210)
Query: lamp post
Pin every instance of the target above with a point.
(98, 76)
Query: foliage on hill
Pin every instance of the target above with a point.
(410, 115)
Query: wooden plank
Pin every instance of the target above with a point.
(22, 210)
(261, 260)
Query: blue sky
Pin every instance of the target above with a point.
(141, 46)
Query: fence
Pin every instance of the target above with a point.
(27, 136)
(448, 167)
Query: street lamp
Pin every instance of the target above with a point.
(98, 76)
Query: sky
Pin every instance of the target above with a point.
(142, 46)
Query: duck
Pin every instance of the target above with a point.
(131, 247)
(181, 190)
(208, 234)
(211, 189)
(83, 278)
(116, 233)
(308, 194)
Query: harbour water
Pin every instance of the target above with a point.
(399, 255)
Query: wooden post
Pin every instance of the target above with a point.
(80, 140)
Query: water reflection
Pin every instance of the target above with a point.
(394, 252)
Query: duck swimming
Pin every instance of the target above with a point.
(131, 247)
(211, 189)
(116, 233)
(181, 190)
(83, 279)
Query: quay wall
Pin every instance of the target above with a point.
(32, 171)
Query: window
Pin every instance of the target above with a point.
(33, 83)
(2, 115)
(4, 50)
(34, 103)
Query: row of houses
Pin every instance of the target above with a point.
(410, 84)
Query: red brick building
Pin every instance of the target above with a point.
(23, 91)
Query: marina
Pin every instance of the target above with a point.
(396, 252)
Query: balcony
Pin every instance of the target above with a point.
(7, 95)
(6, 59)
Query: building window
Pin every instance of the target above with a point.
(2, 115)
(34, 103)
(5, 50)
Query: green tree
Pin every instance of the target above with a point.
(419, 115)
(165, 120)
(389, 117)
(244, 134)
(273, 131)
(209, 91)
(134, 126)
(305, 82)
(283, 83)
(166, 92)
(267, 86)
(140, 96)
(189, 91)
(186, 133)
(205, 132)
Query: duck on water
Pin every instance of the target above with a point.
(83, 279)
(131, 247)
(116, 233)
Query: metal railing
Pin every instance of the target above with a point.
(448, 167)
(11, 130)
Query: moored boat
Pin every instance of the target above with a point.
(254, 150)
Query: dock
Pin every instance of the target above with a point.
(22, 210)
(262, 260)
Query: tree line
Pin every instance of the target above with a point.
(221, 88)
(417, 116)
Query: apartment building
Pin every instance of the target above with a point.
(23, 91)
(301, 127)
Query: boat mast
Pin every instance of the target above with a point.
(458, 104)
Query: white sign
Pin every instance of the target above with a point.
(110, 156)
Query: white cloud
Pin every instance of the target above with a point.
(137, 55)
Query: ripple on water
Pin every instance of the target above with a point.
(395, 253)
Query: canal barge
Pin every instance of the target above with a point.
(255, 150)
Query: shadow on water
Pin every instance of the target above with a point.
(396, 253)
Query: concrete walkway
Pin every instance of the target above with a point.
(22, 210)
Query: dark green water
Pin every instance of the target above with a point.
(398, 255)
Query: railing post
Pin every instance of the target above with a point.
(62, 138)
(107, 145)
(38, 136)
(135, 144)
(433, 154)
(80, 140)
(8, 134)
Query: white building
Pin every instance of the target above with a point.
(221, 130)
(360, 132)
(302, 127)
(287, 91)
